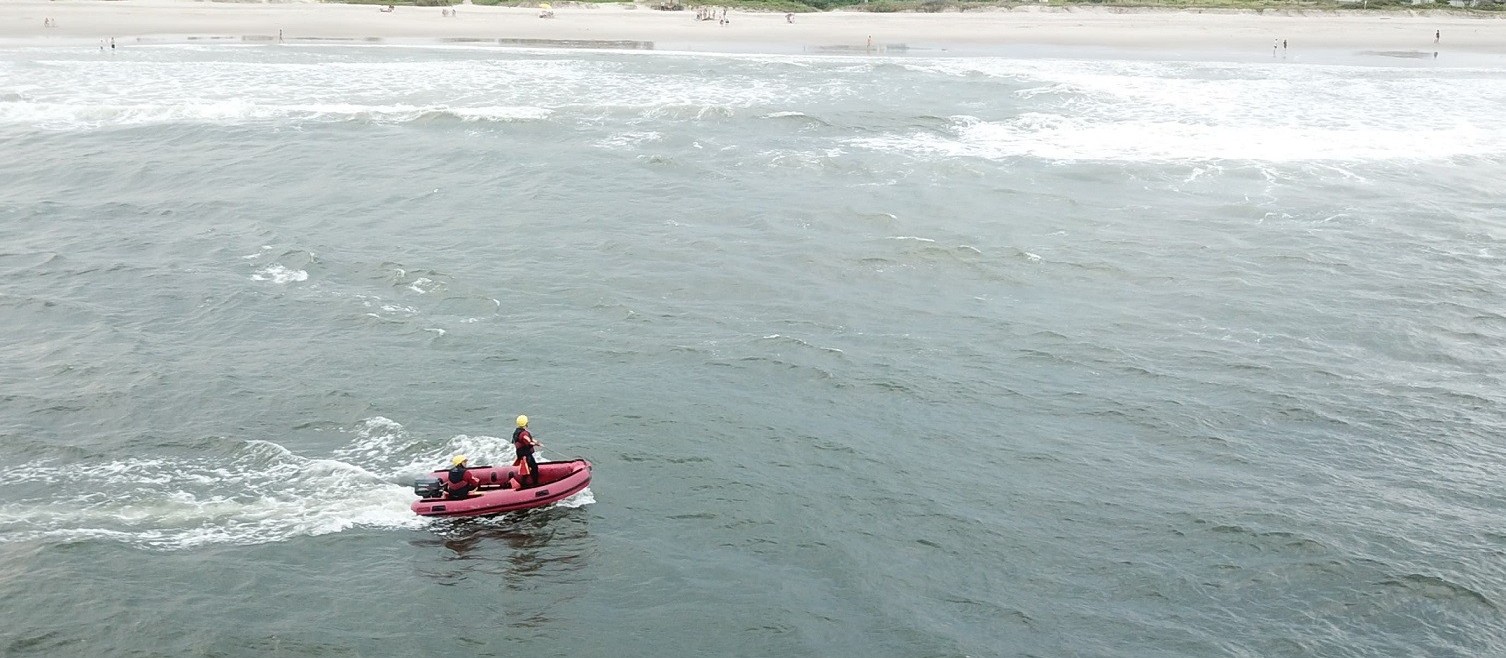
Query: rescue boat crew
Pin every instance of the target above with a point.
(459, 482)
(523, 444)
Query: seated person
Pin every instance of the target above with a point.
(512, 480)
(458, 482)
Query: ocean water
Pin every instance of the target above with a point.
(875, 356)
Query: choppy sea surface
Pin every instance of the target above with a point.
(875, 356)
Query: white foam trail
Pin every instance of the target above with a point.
(585, 497)
(182, 504)
(264, 493)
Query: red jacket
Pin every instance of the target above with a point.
(522, 442)
(460, 481)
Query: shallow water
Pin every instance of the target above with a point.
(874, 356)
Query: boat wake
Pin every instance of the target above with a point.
(262, 493)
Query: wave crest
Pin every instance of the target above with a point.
(70, 115)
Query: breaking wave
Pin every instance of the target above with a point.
(72, 115)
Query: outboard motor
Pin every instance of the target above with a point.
(428, 487)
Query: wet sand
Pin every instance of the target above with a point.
(136, 21)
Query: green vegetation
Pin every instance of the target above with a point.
(777, 6)
(535, 3)
(405, 3)
(933, 6)
(456, 3)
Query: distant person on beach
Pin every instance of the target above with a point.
(1283, 44)
(1437, 34)
(789, 18)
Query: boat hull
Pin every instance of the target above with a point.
(557, 481)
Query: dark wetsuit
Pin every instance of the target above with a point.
(522, 443)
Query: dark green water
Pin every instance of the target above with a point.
(874, 357)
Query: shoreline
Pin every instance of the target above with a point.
(1240, 34)
(1328, 56)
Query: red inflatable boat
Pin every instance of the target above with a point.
(557, 481)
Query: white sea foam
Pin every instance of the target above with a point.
(262, 493)
(585, 497)
(259, 496)
(239, 89)
(630, 139)
(235, 111)
(1062, 137)
(281, 275)
(1173, 111)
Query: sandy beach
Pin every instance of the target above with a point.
(138, 21)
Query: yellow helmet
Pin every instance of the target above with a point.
(458, 460)
(522, 421)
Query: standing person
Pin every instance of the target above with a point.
(1437, 34)
(523, 444)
